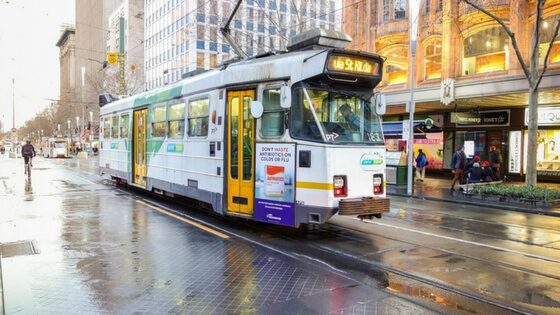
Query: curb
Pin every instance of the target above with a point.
(467, 202)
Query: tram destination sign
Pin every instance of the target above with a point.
(352, 64)
(497, 118)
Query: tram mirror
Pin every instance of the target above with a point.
(256, 109)
(285, 97)
(380, 104)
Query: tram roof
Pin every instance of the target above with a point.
(295, 66)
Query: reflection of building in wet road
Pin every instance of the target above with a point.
(102, 249)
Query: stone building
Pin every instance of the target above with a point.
(466, 55)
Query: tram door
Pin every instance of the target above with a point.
(241, 145)
(139, 156)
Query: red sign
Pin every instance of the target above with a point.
(14, 130)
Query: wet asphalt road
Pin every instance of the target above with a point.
(105, 249)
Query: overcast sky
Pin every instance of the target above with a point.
(29, 30)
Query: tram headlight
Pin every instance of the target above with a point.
(378, 184)
(340, 186)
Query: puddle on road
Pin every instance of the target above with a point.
(419, 291)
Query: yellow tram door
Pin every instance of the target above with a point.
(241, 145)
(139, 156)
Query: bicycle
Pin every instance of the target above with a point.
(28, 166)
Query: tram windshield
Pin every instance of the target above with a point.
(334, 116)
(60, 145)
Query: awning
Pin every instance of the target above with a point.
(395, 127)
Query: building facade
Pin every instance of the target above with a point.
(132, 11)
(91, 50)
(183, 36)
(467, 60)
(67, 59)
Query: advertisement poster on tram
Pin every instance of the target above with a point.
(274, 183)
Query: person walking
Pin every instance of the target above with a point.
(421, 163)
(458, 165)
(495, 161)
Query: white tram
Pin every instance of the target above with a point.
(55, 148)
(286, 138)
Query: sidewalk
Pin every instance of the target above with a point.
(438, 189)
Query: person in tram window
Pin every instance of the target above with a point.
(421, 163)
(475, 174)
(458, 163)
(495, 161)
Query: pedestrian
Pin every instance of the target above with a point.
(476, 159)
(458, 165)
(421, 163)
(475, 174)
(488, 173)
(495, 161)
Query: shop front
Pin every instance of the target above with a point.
(548, 146)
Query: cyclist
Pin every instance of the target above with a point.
(28, 152)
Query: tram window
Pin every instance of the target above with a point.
(159, 122)
(107, 128)
(272, 124)
(124, 126)
(115, 127)
(198, 118)
(177, 120)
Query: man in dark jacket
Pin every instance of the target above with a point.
(458, 164)
(28, 152)
(495, 161)
(475, 174)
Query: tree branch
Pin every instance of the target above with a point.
(556, 30)
(536, 33)
(508, 31)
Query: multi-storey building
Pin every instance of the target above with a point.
(465, 57)
(132, 11)
(182, 36)
(67, 58)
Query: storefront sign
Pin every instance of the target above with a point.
(485, 118)
(274, 185)
(548, 116)
(405, 129)
(515, 151)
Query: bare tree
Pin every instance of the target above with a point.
(534, 76)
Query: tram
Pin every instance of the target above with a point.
(285, 138)
(55, 148)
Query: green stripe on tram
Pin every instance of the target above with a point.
(158, 97)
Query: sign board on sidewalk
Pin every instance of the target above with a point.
(274, 183)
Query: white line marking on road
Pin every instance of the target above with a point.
(463, 241)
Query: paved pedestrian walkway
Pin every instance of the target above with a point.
(438, 189)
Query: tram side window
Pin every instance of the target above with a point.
(177, 120)
(198, 118)
(106, 128)
(273, 116)
(159, 122)
(124, 126)
(115, 127)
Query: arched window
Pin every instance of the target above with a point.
(485, 51)
(547, 31)
(396, 65)
(432, 60)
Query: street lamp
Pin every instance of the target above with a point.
(414, 7)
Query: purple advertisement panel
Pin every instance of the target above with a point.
(276, 212)
(274, 183)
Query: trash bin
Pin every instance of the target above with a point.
(396, 169)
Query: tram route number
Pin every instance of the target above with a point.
(374, 136)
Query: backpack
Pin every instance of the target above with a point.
(27, 150)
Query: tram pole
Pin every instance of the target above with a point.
(414, 7)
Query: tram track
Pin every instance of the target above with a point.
(281, 242)
(291, 243)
